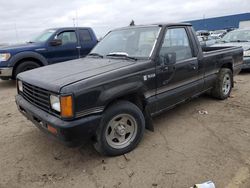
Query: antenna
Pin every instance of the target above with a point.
(76, 18)
(17, 38)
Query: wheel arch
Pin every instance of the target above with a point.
(139, 100)
(132, 97)
(27, 56)
(228, 65)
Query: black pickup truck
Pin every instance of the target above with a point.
(134, 73)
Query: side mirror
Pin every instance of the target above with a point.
(169, 58)
(56, 42)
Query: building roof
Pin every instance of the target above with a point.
(223, 22)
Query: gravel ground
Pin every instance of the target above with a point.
(186, 148)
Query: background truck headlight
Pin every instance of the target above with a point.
(55, 103)
(20, 85)
(4, 56)
(247, 53)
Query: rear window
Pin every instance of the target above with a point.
(85, 35)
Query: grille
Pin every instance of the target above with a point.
(37, 96)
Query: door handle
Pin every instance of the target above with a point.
(164, 68)
(78, 47)
(167, 68)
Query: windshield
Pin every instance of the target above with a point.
(134, 42)
(44, 36)
(237, 36)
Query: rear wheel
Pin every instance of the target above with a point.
(25, 66)
(121, 129)
(223, 85)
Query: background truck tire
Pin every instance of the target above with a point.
(223, 84)
(25, 66)
(120, 130)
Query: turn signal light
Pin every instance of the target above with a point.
(52, 129)
(66, 106)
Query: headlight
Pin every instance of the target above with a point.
(246, 53)
(63, 104)
(5, 56)
(55, 103)
(20, 85)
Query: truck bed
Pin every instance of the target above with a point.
(220, 48)
(221, 55)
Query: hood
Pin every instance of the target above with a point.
(54, 77)
(20, 47)
(244, 45)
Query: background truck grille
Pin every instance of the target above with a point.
(37, 96)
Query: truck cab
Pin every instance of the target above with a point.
(51, 46)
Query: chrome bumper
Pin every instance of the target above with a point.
(6, 72)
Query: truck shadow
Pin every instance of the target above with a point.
(7, 84)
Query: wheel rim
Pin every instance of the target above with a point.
(226, 85)
(121, 131)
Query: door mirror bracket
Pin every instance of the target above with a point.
(168, 58)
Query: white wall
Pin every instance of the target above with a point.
(244, 24)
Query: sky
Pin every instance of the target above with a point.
(23, 20)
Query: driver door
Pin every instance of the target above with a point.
(177, 69)
(67, 50)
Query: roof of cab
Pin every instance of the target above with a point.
(69, 28)
(155, 24)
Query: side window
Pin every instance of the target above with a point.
(85, 35)
(67, 37)
(176, 42)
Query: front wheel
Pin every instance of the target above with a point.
(121, 129)
(223, 84)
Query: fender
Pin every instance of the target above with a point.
(121, 91)
(124, 90)
(28, 54)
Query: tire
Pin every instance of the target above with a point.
(25, 66)
(121, 129)
(223, 84)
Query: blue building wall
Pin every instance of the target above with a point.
(224, 22)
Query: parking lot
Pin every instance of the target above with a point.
(187, 147)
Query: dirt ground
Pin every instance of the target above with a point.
(186, 148)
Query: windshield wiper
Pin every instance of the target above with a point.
(239, 41)
(224, 41)
(96, 54)
(122, 54)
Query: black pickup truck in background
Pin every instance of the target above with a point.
(134, 73)
(51, 46)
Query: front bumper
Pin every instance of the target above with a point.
(246, 63)
(6, 73)
(68, 132)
